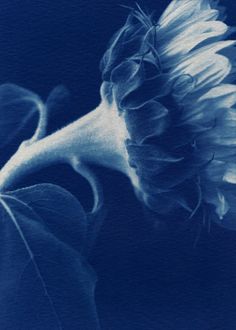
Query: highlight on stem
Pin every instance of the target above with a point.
(167, 116)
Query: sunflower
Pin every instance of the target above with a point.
(166, 118)
(170, 81)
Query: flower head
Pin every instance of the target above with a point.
(167, 117)
(171, 83)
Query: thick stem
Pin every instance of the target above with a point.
(98, 137)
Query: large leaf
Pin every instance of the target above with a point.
(45, 281)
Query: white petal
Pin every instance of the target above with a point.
(206, 107)
(182, 10)
(230, 117)
(173, 6)
(191, 37)
(207, 71)
(174, 28)
(222, 206)
(206, 52)
(224, 95)
(230, 174)
(215, 47)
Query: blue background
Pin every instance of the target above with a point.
(150, 275)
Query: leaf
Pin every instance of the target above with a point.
(45, 281)
(57, 98)
(17, 107)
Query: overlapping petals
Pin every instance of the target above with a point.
(172, 81)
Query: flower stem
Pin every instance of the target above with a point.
(97, 137)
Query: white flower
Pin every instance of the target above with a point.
(167, 118)
(174, 91)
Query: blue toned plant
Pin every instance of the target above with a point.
(166, 117)
(166, 120)
(45, 279)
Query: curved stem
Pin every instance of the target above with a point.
(97, 137)
(83, 170)
(42, 124)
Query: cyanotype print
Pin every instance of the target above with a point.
(122, 217)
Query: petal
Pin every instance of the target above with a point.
(222, 136)
(204, 51)
(183, 10)
(209, 106)
(222, 96)
(215, 171)
(158, 203)
(221, 152)
(230, 173)
(222, 207)
(156, 87)
(171, 30)
(207, 52)
(224, 202)
(203, 54)
(207, 72)
(147, 121)
(126, 77)
(191, 37)
(183, 85)
(149, 157)
(125, 43)
(166, 202)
